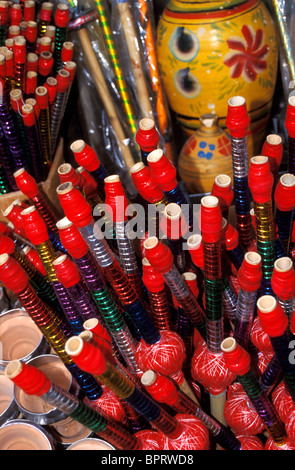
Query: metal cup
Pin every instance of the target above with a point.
(20, 434)
(20, 338)
(8, 407)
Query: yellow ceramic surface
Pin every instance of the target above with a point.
(206, 154)
(211, 51)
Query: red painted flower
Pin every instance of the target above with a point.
(247, 55)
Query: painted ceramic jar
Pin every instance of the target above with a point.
(211, 51)
(206, 154)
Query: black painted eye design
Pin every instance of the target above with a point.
(183, 44)
(186, 83)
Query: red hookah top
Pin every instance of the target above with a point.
(290, 117)
(89, 183)
(27, 377)
(161, 388)
(4, 13)
(86, 355)
(191, 280)
(94, 325)
(26, 183)
(152, 279)
(236, 358)
(195, 247)
(283, 278)
(31, 31)
(144, 183)
(159, 255)
(115, 198)
(42, 97)
(51, 85)
(85, 155)
(16, 14)
(28, 114)
(75, 206)
(231, 237)
(67, 172)
(147, 135)
(34, 225)
(272, 317)
(45, 64)
(222, 189)
(250, 272)
(62, 15)
(237, 119)
(260, 179)
(71, 67)
(5, 230)
(19, 50)
(12, 275)
(31, 82)
(173, 223)
(66, 271)
(285, 192)
(273, 149)
(210, 219)
(63, 81)
(67, 51)
(46, 11)
(34, 258)
(71, 238)
(16, 100)
(29, 10)
(13, 214)
(162, 170)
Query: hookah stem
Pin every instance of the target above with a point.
(244, 317)
(164, 390)
(7, 161)
(45, 211)
(89, 357)
(4, 182)
(265, 241)
(108, 309)
(44, 122)
(122, 88)
(35, 149)
(271, 375)
(34, 382)
(60, 37)
(57, 109)
(230, 299)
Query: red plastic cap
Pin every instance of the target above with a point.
(67, 173)
(222, 189)
(19, 50)
(16, 14)
(51, 85)
(147, 135)
(283, 278)
(115, 198)
(272, 317)
(85, 155)
(4, 13)
(144, 183)
(34, 225)
(28, 114)
(285, 192)
(31, 82)
(161, 388)
(75, 206)
(159, 255)
(250, 272)
(31, 31)
(162, 170)
(273, 149)
(12, 275)
(236, 358)
(16, 100)
(67, 51)
(173, 222)
(29, 10)
(260, 179)
(290, 117)
(26, 183)
(63, 81)
(42, 97)
(71, 67)
(210, 219)
(71, 238)
(45, 64)
(86, 355)
(89, 183)
(66, 271)
(28, 378)
(46, 11)
(94, 325)
(195, 247)
(62, 15)
(13, 214)
(5, 230)
(237, 119)
(152, 279)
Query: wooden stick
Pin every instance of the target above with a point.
(104, 94)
